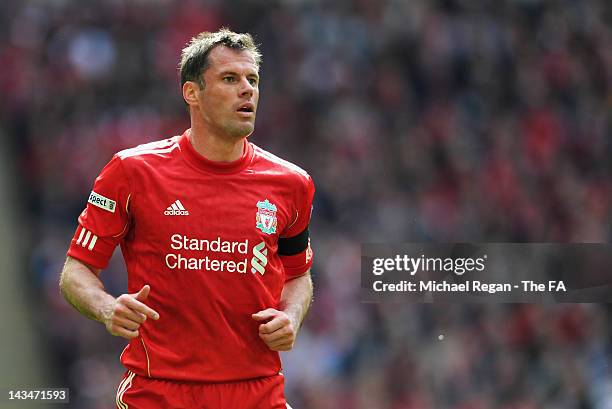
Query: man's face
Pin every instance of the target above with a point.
(228, 102)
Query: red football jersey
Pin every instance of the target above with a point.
(205, 236)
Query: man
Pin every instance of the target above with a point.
(214, 233)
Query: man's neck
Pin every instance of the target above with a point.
(214, 148)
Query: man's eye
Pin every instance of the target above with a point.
(253, 81)
(228, 79)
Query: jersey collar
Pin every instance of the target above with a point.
(193, 157)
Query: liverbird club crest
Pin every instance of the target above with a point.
(266, 217)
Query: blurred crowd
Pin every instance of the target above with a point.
(420, 120)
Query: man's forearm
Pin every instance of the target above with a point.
(82, 288)
(296, 298)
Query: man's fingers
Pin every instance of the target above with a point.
(123, 332)
(274, 325)
(143, 293)
(275, 338)
(137, 306)
(265, 314)
(277, 333)
(281, 345)
(126, 312)
(126, 323)
(136, 316)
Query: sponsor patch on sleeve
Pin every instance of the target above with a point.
(102, 202)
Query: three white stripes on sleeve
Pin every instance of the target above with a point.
(86, 237)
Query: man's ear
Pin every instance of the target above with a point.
(190, 92)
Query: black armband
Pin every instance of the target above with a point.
(293, 245)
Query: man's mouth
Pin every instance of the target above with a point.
(246, 108)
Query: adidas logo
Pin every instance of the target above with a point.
(176, 209)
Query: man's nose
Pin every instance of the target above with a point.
(246, 88)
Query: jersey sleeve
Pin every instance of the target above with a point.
(105, 220)
(294, 244)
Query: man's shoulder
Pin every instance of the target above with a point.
(155, 150)
(269, 160)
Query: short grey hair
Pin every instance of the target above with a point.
(194, 57)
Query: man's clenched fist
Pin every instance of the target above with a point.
(128, 312)
(279, 331)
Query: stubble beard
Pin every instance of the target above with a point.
(232, 129)
(239, 131)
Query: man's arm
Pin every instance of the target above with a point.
(122, 316)
(296, 298)
(281, 328)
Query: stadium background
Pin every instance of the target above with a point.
(419, 120)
